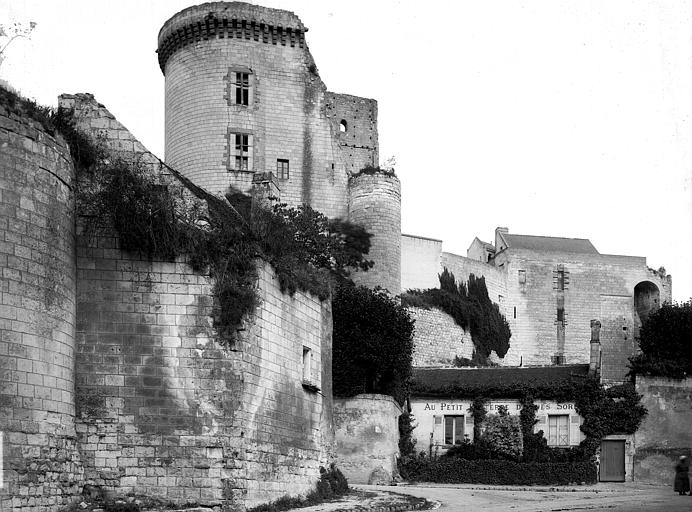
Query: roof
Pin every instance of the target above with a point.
(550, 243)
(434, 381)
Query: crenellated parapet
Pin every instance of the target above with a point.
(229, 20)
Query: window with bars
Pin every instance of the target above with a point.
(239, 152)
(239, 83)
(558, 430)
(454, 429)
(282, 169)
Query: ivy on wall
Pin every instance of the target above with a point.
(161, 218)
(372, 343)
(616, 410)
(472, 310)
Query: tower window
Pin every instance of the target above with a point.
(343, 126)
(242, 88)
(282, 169)
(561, 316)
(239, 87)
(239, 152)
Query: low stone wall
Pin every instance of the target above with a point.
(665, 433)
(367, 438)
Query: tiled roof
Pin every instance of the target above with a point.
(435, 380)
(550, 243)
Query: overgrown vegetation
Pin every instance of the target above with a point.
(503, 433)
(159, 218)
(407, 443)
(472, 310)
(370, 169)
(616, 410)
(372, 343)
(453, 470)
(666, 343)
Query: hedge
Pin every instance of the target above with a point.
(452, 470)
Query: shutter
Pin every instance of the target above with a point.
(438, 430)
(231, 87)
(250, 153)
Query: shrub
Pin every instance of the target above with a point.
(407, 443)
(502, 433)
(372, 343)
(666, 343)
(454, 470)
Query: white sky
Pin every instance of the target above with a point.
(561, 118)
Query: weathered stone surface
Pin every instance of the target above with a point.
(42, 469)
(665, 432)
(367, 437)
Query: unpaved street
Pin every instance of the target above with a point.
(610, 497)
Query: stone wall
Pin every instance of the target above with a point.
(420, 262)
(42, 468)
(287, 111)
(375, 204)
(367, 438)
(354, 125)
(597, 286)
(166, 411)
(438, 339)
(665, 433)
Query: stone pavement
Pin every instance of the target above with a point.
(614, 497)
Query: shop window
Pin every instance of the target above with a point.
(558, 430)
(239, 150)
(454, 429)
(282, 169)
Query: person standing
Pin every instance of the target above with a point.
(682, 479)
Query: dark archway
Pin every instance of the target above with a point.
(647, 299)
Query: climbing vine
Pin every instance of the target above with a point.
(616, 410)
(372, 343)
(472, 310)
(159, 217)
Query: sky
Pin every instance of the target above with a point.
(549, 117)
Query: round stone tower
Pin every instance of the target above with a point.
(37, 317)
(375, 204)
(243, 97)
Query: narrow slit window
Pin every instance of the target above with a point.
(307, 364)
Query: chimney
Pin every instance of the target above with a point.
(500, 243)
(595, 356)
